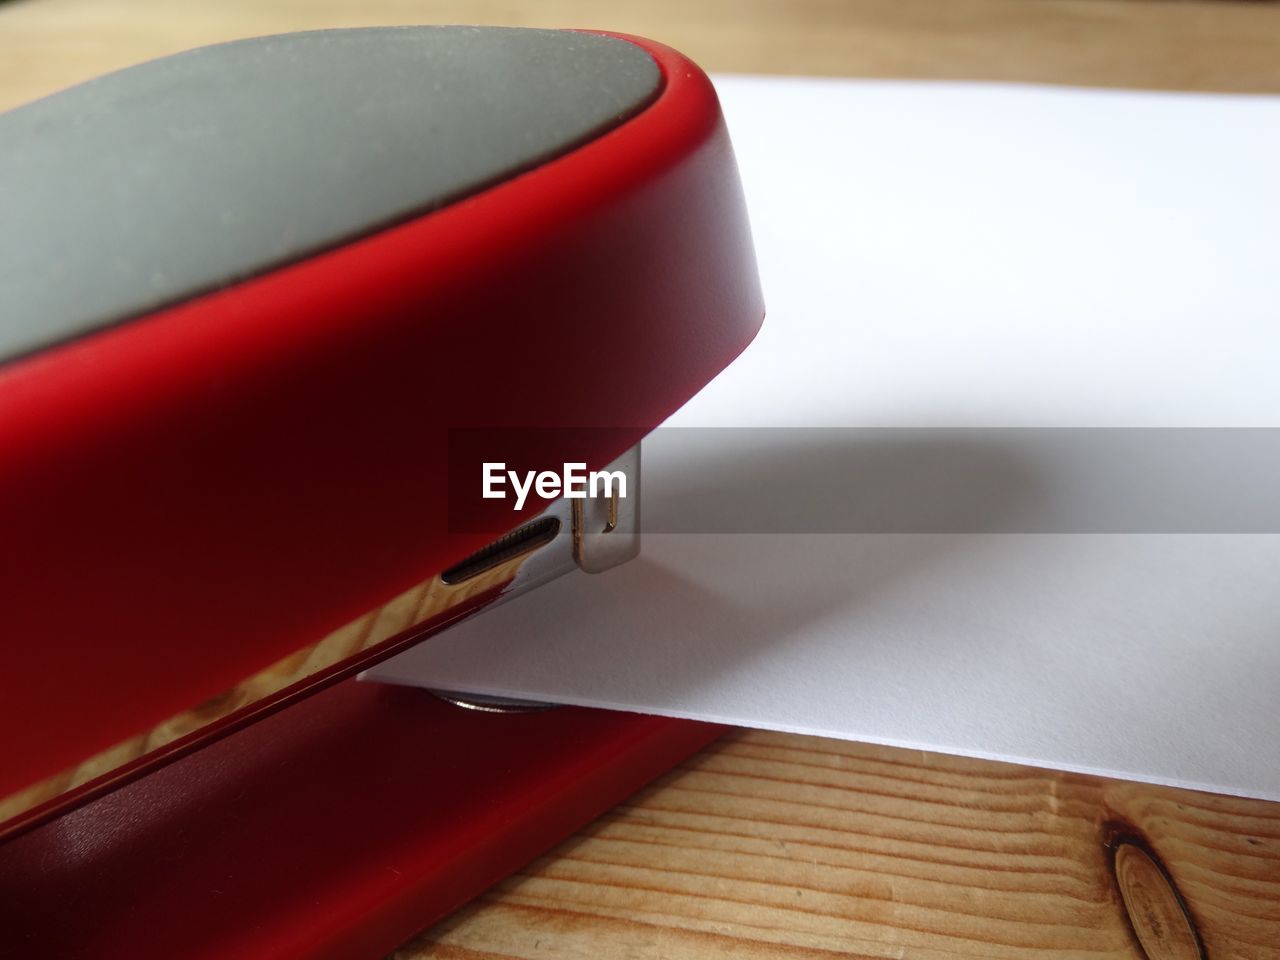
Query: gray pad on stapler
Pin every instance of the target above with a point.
(149, 186)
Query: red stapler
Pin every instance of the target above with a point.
(267, 309)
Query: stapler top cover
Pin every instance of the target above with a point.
(247, 290)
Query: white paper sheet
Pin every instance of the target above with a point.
(940, 255)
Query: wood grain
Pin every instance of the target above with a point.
(770, 846)
(48, 44)
(1159, 916)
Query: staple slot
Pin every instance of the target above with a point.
(522, 540)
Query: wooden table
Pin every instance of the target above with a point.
(764, 845)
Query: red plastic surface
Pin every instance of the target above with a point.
(334, 830)
(190, 496)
